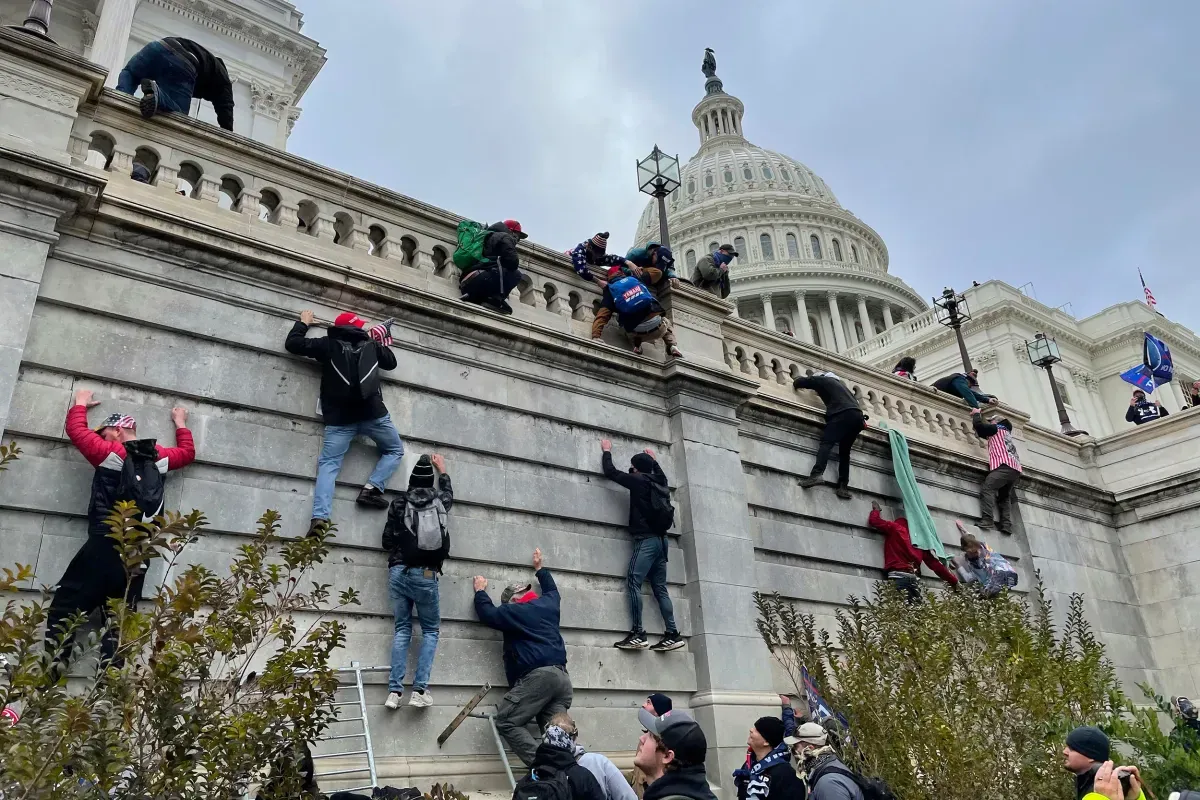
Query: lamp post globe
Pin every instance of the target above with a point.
(951, 309)
(658, 176)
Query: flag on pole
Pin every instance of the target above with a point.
(1141, 377)
(1150, 301)
(1156, 357)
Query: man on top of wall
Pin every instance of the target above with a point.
(1142, 410)
(173, 71)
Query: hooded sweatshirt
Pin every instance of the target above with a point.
(500, 247)
(899, 554)
(611, 779)
(688, 782)
(212, 79)
(1144, 411)
(340, 404)
(584, 785)
(833, 393)
(638, 485)
(399, 541)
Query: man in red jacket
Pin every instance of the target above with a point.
(901, 560)
(127, 468)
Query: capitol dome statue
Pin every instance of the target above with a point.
(806, 267)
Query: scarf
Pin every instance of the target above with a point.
(814, 760)
(779, 753)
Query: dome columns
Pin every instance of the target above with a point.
(835, 316)
(887, 316)
(806, 334)
(864, 318)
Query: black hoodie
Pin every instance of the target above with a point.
(1085, 781)
(212, 79)
(340, 405)
(638, 484)
(584, 785)
(687, 782)
(833, 393)
(500, 246)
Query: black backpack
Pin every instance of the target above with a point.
(543, 783)
(662, 513)
(357, 364)
(871, 788)
(141, 480)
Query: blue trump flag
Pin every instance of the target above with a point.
(1157, 358)
(1141, 377)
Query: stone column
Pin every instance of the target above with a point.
(864, 318)
(806, 334)
(768, 312)
(112, 37)
(887, 317)
(835, 320)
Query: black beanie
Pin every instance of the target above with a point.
(643, 462)
(1089, 741)
(422, 474)
(660, 702)
(771, 729)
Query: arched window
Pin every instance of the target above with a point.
(728, 175)
(739, 244)
(816, 245)
(837, 250)
(100, 150)
(376, 237)
(691, 258)
(768, 252)
(854, 254)
(675, 195)
(816, 330)
(306, 216)
(783, 173)
(713, 247)
(343, 227)
(792, 246)
(747, 174)
(708, 181)
(691, 186)
(231, 193)
(767, 173)
(188, 180)
(858, 331)
(783, 326)
(268, 205)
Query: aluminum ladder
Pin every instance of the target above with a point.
(363, 731)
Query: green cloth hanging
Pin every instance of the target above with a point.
(920, 522)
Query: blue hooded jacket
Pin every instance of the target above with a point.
(531, 630)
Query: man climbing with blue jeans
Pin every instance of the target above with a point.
(417, 542)
(171, 72)
(351, 404)
(648, 524)
(966, 386)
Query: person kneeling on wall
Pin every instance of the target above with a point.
(637, 312)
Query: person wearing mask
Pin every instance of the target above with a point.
(906, 368)
(1004, 471)
(171, 72)
(902, 559)
(788, 718)
(127, 469)
(650, 516)
(351, 404)
(772, 776)
(671, 753)
(638, 313)
(844, 421)
(966, 386)
(711, 272)
(555, 757)
(657, 264)
(827, 777)
(535, 656)
(494, 278)
(1186, 716)
(610, 780)
(1142, 410)
(593, 253)
(982, 565)
(417, 542)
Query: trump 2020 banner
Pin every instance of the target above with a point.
(1157, 358)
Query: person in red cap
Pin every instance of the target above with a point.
(351, 404)
(638, 313)
(490, 283)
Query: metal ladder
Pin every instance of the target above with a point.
(360, 703)
(468, 710)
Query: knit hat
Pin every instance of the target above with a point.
(1090, 741)
(558, 738)
(600, 241)
(661, 703)
(347, 318)
(515, 227)
(770, 729)
(117, 421)
(422, 474)
(518, 590)
(643, 462)
(809, 733)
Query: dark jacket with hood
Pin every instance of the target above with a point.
(833, 393)
(774, 778)
(638, 484)
(584, 785)
(212, 79)
(1085, 780)
(399, 541)
(500, 247)
(340, 403)
(687, 782)
(531, 630)
(1144, 411)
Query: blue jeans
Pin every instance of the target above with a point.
(964, 390)
(649, 562)
(408, 587)
(175, 77)
(333, 450)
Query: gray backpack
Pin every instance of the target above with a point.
(424, 531)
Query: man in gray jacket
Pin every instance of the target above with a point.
(827, 777)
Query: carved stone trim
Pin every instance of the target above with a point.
(15, 84)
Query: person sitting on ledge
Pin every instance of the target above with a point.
(490, 283)
(902, 559)
(906, 368)
(638, 313)
(351, 404)
(966, 386)
(657, 264)
(711, 272)
(844, 421)
(1142, 410)
(593, 253)
(171, 72)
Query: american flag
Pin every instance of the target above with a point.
(1149, 294)
(382, 332)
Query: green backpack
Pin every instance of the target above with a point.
(471, 236)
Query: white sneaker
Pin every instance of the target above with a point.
(393, 701)
(420, 699)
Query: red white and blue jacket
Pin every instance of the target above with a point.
(582, 260)
(109, 457)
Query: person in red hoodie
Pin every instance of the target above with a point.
(127, 468)
(901, 560)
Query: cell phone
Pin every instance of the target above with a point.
(1124, 775)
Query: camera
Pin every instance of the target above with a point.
(1123, 775)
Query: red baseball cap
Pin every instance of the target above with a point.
(613, 272)
(515, 227)
(346, 318)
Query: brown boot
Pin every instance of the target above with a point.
(810, 481)
(843, 491)
(316, 526)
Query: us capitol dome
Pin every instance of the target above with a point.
(806, 267)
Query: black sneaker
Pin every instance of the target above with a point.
(370, 497)
(843, 491)
(634, 641)
(672, 641)
(810, 481)
(499, 306)
(149, 102)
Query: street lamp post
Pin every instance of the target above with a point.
(1043, 352)
(658, 176)
(952, 312)
(37, 22)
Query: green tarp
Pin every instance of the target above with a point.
(920, 523)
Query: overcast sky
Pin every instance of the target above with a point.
(1053, 143)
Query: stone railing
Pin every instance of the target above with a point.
(912, 328)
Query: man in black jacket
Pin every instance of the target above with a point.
(1142, 410)
(491, 281)
(351, 404)
(556, 754)
(535, 656)
(772, 777)
(1087, 748)
(844, 421)
(417, 542)
(671, 755)
(649, 560)
(173, 71)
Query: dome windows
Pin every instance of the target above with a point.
(747, 173)
(766, 171)
(691, 185)
(815, 243)
(793, 249)
(708, 181)
(837, 250)
(739, 245)
(691, 258)
(713, 247)
(764, 243)
(854, 254)
(783, 173)
(728, 175)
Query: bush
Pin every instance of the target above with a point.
(1169, 762)
(173, 715)
(956, 697)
